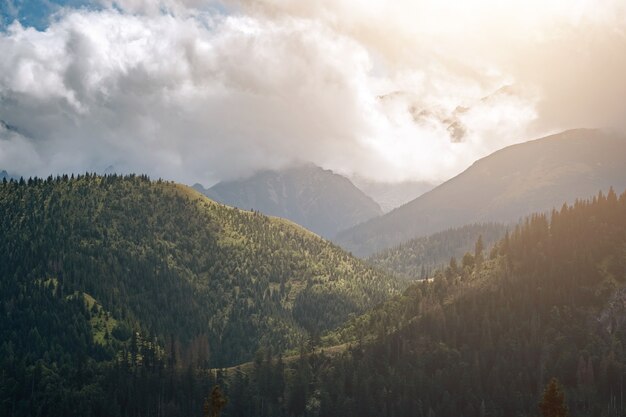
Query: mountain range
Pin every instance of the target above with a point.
(122, 296)
(529, 177)
(318, 199)
(118, 294)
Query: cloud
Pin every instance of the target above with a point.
(182, 98)
(15, 147)
(201, 91)
(156, 7)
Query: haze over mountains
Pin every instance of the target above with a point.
(390, 195)
(529, 177)
(318, 199)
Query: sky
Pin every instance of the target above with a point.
(389, 90)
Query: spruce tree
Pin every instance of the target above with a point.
(217, 402)
(553, 401)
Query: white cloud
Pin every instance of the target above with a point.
(15, 147)
(181, 90)
(183, 98)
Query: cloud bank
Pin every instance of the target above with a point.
(201, 91)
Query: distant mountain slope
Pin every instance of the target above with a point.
(502, 187)
(391, 195)
(317, 199)
(418, 258)
(169, 263)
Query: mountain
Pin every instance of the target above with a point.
(390, 195)
(116, 293)
(4, 174)
(89, 261)
(417, 258)
(502, 187)
(482, 338)
(317, 199)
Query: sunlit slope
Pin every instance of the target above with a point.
(179, 267)
(503, 187)
(489, 332)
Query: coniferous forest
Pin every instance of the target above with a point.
(484, 337)
(101, 275)
(419, 258)
(122, 296)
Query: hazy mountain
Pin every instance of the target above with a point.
(4, 174)
(390, 195)
(318, 199)
(512, 182)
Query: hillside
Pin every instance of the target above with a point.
(207, 283)
(318, 199)
(483, 338)
(509, 184)
(418, 258)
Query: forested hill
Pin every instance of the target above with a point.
(114, 289)
(201, 282)
(418, 258)
(483, 338)
(505, 186)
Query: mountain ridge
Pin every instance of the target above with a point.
(318, 199)
(515, 181)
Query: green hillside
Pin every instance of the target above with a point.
(481, 339)
(160, 259)
(418, 258)
(118, 294)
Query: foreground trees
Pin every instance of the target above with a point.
(483, 340)
(95, 323)
(553, 401)
(215, 402)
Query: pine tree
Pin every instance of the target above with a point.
(478, 250)
(216, 403)
(553, 401)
